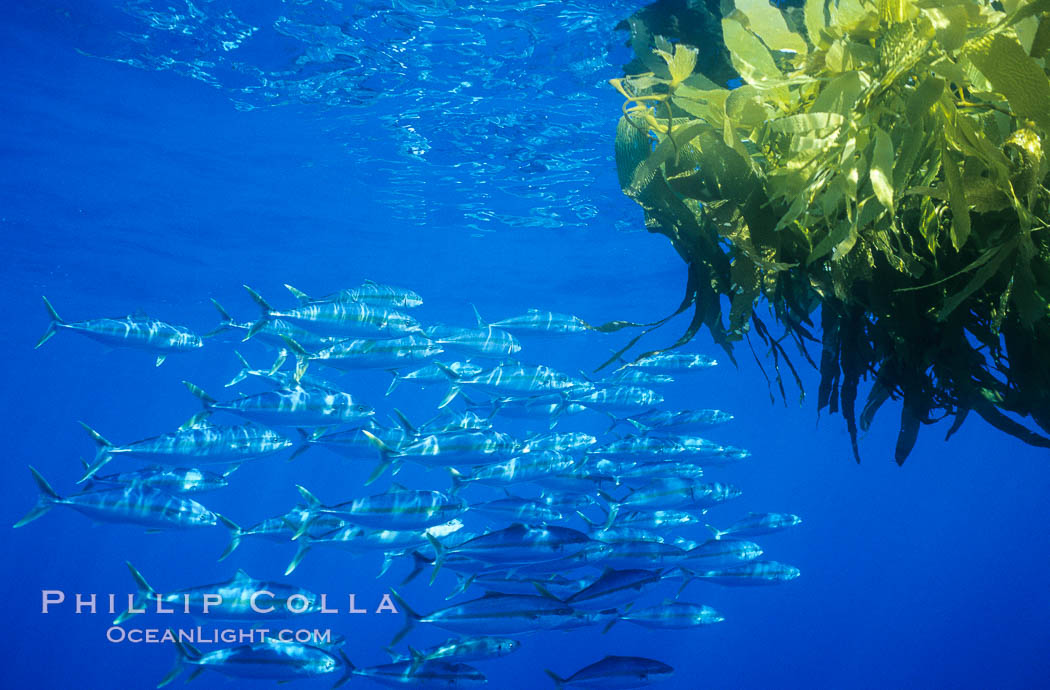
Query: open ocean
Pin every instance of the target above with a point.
(159, 155)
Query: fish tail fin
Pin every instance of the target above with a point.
(301, 296)
(225, 321)
(184, 653)
(403, 422)
(305, 440)
(235, 536)
(440, 553)
(387, 456)
(224, 316)
(245, 371)
(687, 577)
(558, 680)
(477, 315)
(393, 382)
(143, 592)
(462, 582)
(417, 659)
(266, 311)
(231, 469)
(718, 534)
(300, 554)
(348, 665)
(199, 393)
(411, 617)
(302, 357)
(458, 482)
(609, 625)
(311, 500)
(48, 498)
(589, 521)
(419, 561)
(101, 457)
(52, 327)
(614, 509)
(453, 391)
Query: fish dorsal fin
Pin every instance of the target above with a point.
(608, 571)
(139, 314)
(369, 281)
(395, 488)
(668, 602)
(534, 310)
(241, 576)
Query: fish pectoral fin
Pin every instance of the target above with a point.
(160, 360)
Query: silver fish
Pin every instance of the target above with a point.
(347, 319)
(370, 292)
(423, 674)
(672, 363)
(270, 660)
(236, 597)
(433, 373)
(493, 614)
(175, 480)
(135, 504)
(615, 672)
(300, 406)
(751, 573)
(673, 615)
(136, 331)
(196, 441)
(461, 649)
(485, 342)
(536, 321)
(757, 524)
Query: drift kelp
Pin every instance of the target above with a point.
(881, 161)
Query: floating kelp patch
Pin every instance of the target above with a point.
(879, 167)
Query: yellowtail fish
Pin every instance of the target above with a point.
(358, 539)
(485, 341)
(347, 319)
(398, 507)
(460, 649)
(538, 322)
(349, 355)
(174, 480)
(369, 292)
(432, 373)
(681, 420)
(134, 505)
(750, 574)
(492, 614)
(242, 597)
(272, 333)
(197, 440)
(670, 615)
(672, 363)
(615, 588)
(423, 674)
(270, 660)
(615, 673)
(301, 406)
(134, 331)
(757, 524)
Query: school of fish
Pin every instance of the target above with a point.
(556, 530)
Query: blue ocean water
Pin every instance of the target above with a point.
(162, 154)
